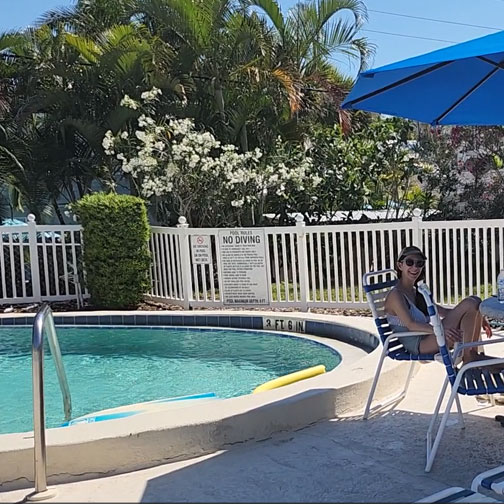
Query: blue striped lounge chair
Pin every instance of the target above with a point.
(457, 494)
(490, 480)
(471, 379)
(377, 284)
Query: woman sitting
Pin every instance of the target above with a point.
(407, 311)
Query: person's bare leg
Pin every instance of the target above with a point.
(428, 345)
(478, 324)
(465, 316)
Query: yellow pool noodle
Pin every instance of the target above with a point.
(290, 378)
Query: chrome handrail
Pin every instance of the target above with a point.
(44, 320)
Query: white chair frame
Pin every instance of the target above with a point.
(376, 315)
(432, 447)
(450, 362)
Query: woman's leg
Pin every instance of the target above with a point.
(428, 345)
(466, 317)
(477, 330)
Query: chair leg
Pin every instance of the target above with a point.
(374, 384)
(435, 415)
(460, 412)
(408, 379)
(368, 410)
(432, 452)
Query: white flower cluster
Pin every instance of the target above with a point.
(172, 158)
(129, 103)
(280, 175)
(148, 96)
(108, 143)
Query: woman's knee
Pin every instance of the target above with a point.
(471, 303)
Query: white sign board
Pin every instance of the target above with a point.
(243, 267)
(201, 249)
(284, 324)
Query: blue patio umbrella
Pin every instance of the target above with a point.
(460, 84)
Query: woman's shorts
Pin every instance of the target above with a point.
(410, 343)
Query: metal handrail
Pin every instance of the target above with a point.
(44, 321)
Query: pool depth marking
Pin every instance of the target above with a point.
(284, 324)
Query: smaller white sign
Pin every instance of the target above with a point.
(201, 249)
(284, 324)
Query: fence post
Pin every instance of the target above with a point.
(302, 261)
(34, 260)
(416, 219)
(185, 263)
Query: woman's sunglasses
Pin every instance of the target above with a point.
(410, 262)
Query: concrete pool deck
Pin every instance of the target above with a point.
(341, 460)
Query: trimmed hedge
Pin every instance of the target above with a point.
(116, 252)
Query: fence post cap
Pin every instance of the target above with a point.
(31, 218)
(417, 212)
(182, 222)
(299, 218)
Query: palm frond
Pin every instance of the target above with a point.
(86, 48)
(58, 15)
(326, 9)
(272, 10)
(294, 94)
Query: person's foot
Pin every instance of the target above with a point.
(484, 399)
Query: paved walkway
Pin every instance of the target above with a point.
(343, 460)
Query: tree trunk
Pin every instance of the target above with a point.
(58, 211)
(244, 138)
(219, 98)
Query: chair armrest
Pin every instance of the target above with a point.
(480, 364)
(407, 334)
(461, 346)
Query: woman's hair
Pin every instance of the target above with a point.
(419, 299)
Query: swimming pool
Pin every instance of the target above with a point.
(109, 367)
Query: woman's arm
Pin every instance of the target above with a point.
(395, 304)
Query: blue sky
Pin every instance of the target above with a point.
(389, 48)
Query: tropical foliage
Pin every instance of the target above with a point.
(241, 70)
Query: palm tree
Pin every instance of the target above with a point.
(314, 33)
(226, 52)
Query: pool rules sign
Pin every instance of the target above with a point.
(243, 267)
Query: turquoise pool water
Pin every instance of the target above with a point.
(109, 367)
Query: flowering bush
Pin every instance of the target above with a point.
(374, 166)
(189, 172)
(466, 176)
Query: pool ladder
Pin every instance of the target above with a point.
(44, 322)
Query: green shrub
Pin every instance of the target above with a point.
(116, 253)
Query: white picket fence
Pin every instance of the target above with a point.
(40, 262)
(306, 266)
(322, 266)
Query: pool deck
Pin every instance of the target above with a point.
(340, 460)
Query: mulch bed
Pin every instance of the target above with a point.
(152, 306)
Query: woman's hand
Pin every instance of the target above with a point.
(486, 326)
(453, 335)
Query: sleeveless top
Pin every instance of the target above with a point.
(416, 314)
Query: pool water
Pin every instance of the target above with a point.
(110, 367)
